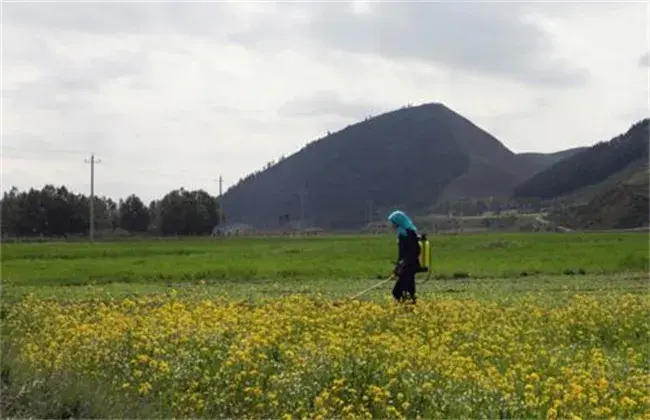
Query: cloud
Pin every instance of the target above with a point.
(644, 60)
(509, 44)
(171, 94)
(119, 18)
(492, 39)
(325, 104)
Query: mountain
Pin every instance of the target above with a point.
(623, 205)
(407, 158)
(590, 168)
(548, 159)
(630, 174)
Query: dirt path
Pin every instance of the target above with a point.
(546, 222)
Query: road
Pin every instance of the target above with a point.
(546, 222)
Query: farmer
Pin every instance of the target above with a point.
(407, 258)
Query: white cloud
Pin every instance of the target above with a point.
(604, 38)
(171, 94)
(644, 60)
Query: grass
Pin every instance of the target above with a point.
(299, 263)
(544, 287)
(514, 325)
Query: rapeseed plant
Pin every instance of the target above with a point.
(299, 356)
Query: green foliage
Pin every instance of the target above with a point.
(634, 262)
(58, 212)
(584, 279)
(51, 212)
(185, 212)
(295, 263)
(134, 216)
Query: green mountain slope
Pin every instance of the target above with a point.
(548, 159)
(591, 166)
(624, 205)
(636, 170)
(406, 158)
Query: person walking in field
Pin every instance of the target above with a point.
(408, 252)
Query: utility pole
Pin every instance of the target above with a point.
(221, 213)
(220, 201)
(92, 161)
(462, 213)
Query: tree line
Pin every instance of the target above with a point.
(56, 211)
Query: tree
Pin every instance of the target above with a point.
(185, 212)
(134, 216)
(10, 211)
(58, 209)
(55, 211)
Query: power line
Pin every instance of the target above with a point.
(169, 173)
(122, 167)
(23, 153)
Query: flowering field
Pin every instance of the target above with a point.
(304, 356)
(523, 335)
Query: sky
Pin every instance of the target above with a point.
(170, 94)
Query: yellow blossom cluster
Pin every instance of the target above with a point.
(303, 357)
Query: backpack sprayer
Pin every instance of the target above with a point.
(424, 264)
(424, 258)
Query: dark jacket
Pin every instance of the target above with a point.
(409, 250)
(408, 246)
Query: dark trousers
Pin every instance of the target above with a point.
(405, 286)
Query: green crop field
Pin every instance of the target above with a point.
(328, 264)
(514, 324)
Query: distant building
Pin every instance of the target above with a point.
(231, 229)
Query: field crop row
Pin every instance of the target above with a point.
(304, 357)
(509, 325)
(480, 255)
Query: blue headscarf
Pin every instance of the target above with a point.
(402, 221)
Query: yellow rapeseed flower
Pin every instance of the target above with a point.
(300, 356)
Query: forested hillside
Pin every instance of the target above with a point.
(624, 205)
(406, 158)
(548, 159)
(590, 166)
